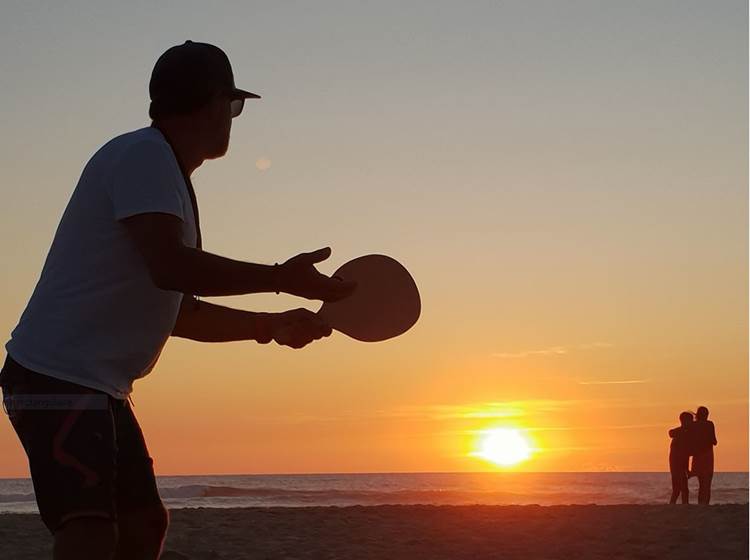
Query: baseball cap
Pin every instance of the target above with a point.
(186, 75)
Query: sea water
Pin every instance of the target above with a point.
(499, 488)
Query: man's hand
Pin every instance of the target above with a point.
(299, 277)
(295, 328)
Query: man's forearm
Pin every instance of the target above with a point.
(216, 323)
(205, 274)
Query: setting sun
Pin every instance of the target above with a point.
(504, 446)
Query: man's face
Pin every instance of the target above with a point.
(216, 125)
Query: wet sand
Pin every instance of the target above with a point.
(424, 532)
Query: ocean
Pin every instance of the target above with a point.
(501, 488)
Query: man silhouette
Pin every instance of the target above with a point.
(122, 275)
(704, 439)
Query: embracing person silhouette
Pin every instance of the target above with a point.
(703, 442)
(679, 457)
(696, 437)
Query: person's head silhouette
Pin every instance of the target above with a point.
(686, 418)
(193, 101)
(701, 413)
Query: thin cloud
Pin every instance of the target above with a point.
(478, 410)
(555, 350)
(616, 382)
(586, 427)
(593, 345)
(580, 428)
(490, 409)
(552, 350)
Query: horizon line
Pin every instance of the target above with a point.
(414, 472)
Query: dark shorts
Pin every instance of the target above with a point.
(86, 451)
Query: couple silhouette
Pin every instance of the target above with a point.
(695, 437)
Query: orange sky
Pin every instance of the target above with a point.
(567, 184)
(344, 406)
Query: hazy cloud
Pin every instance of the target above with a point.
(489, 409)
(616, 382)
(592, 345)
(582, 428)
(553, 350)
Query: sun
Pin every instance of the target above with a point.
(504, 446)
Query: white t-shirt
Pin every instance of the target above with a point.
(95, 317)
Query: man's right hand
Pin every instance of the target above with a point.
(299, 277)
(296, 328)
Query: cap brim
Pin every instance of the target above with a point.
(245, 94)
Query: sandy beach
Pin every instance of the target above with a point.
(429, 532)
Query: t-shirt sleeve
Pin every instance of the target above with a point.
(145, 180)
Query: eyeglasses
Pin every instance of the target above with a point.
(236, 106)
(235, 103)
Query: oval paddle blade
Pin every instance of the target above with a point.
(385, 303)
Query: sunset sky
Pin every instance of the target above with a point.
(566, 181)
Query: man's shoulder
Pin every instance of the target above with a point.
(127, 153)
(145, 140)
(146, 137)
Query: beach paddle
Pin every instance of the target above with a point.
(384, 304)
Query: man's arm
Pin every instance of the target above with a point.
(216, 323)
(174, 266)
